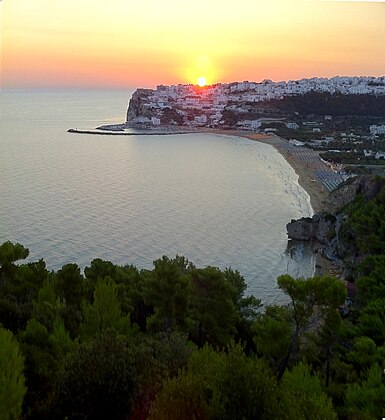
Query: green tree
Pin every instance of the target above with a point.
(244, 387)
(25, 282)
(105, 311)
(131, 286)
(327, 339)
(60, 340)
(247, 307)
(365, 354)
(366, 400)
(13, 316)
(273, 333)
(212, 311)
(166, 290)
(218, 385)
(41, 366)
(98, 380)
(69, 285)
(12, 387)
(158, 356)
(371, 283)
(324, 293)
(182, 397)
(47, 306)
(15, 294)
(371, 321)
(9, 254)
(99, 270)
(367, 221)
(302, 396)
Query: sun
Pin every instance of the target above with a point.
(202, 81)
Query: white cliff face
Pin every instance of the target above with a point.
(192, 105)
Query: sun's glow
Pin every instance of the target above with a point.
(48, 44)
(202, 81)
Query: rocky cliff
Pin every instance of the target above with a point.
(331, 228)
(366, 185)
(147, 111)
(138, 113)
(316, 228)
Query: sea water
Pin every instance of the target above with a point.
(218, 200)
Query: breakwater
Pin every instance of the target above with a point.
(119, 133)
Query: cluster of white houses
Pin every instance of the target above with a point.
(204, 106)
(377, 130)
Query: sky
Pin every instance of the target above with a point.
(143, 43)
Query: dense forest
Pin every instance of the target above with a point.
(324, 103)
(181, 342)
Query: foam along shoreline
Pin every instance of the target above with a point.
(312, 185)
(305, 171)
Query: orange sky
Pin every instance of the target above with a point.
(131, 43)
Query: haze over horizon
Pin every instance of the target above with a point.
(125, 44)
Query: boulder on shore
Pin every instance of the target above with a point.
(304, 229)
(316, 228)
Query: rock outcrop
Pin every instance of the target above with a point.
(331, 228)
(303, 229)
(367, 185)
(138, 113)
(317, 228)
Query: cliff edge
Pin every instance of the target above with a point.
(138, 113)
(334, 229)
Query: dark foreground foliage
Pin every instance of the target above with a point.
(180, 342)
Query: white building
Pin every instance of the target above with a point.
(201, 119)
(250, 124)
(377, 129)
(292, 125)
(255, 124)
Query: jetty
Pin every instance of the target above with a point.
(119, 133)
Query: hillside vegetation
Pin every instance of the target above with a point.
(323, 103)
(181, 342)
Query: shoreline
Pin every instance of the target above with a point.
(305, 172)
(306, 179)
(312, 185)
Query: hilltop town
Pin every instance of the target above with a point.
(191, 105)
(343, 118)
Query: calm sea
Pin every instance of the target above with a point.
(218, 200)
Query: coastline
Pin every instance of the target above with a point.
(306, 179)
(305, 172)
(303, 167)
